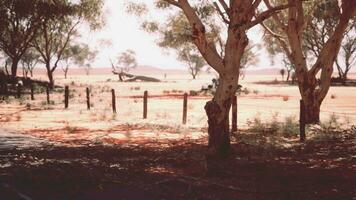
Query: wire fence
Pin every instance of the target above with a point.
(246, 109)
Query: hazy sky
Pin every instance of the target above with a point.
(125, 33)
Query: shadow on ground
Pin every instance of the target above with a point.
(316, 170)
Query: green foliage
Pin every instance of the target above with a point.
(330, 129)
(288, 128)
(59, 29)
(79, 54)
(331, 125)
(321, 18)
(19, 23)
(138, 9)
(126, 61)
(176, 32)
(29, 60)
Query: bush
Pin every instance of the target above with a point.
(28, 106)
(246, 91)
(288, 128)
(256, 125)
(135, 88)
(331, 125)
(285, 98)
(193, 93)
(328, 130)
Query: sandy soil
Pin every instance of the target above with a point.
(79, 154)
(164, 108)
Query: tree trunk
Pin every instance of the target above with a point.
(50, 78)
(31, 73)
(14, 65)
(312, 110)
(288, 75)
(50, 75)
(344, 79)
(217, 111)
(120, 77)
(311, 97)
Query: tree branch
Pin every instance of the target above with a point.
(266, 14)
(199, 38)
(173, 2)
(275, 17)
(225, 6)
(221, 13)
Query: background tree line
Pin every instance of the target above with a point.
(33, 31)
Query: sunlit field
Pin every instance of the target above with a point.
(165, 106)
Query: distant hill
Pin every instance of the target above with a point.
(142, 70)
(266, 71)
(149, 70)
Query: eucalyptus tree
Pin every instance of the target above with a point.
(238, 16)
(83, 57)
(288, 29)
(125, 62)
(347, 58)
(19, 22)
(29, 60)
(320, 28)
(56, 32)
(289, 68)
(282, 72)
(77, 54)
(189, 55)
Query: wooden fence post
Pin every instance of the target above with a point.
(47, 93)
(302, 121)
(66, 97)
(234, 114)
(113, 98)
(88, 98)
(32, 92)
(145, 96)
(185, 108)
(19, 88)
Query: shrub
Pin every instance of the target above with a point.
(70, 129)
(328, 130)
(333, 96)
(193, 93)
(256, 125)
(28, 106)
(135, 88)
(288, 128)
(246, 91)
(285, 98)
(331, 125)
